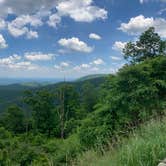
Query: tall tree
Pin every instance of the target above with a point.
(149, 45)
(14, 119)
(67, 104)
(42, 104)
(89, 96)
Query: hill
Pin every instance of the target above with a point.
(11, 94)
(88, 77)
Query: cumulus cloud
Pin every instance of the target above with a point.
(90, 67)
(3, 43)
(98, 61)
(32, 14)
(9, 60)
(38, 56)
(19, 7)
(54, 20)
(23, 65)
(18, 26)
(119, 46)
(15, 62)
(75, 44)
(139, 24)
(62, 66)
(84, 65)
(94, 36)
(81, 10)
(32, 34)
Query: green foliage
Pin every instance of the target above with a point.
(35, 149)
(89, 97)
(13, 119)
(146, 147)
(42, 104)
(96, 129)
(149, 45)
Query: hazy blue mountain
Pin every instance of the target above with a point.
(12, 93)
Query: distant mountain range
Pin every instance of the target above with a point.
(92, 77)
(30, 81)
(12, 93)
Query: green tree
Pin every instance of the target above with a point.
(89, 97)
(149, 45)
(67, 107)
(14, 119)
(42, 104)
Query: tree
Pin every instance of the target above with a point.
(14, 119)
(89, 96)
(42, 105)
(67, 104)
(149, 45)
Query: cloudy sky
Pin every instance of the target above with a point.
(53, 38)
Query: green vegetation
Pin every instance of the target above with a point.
(53, 125)
(146, 146)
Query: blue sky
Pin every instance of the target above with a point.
(53, 38)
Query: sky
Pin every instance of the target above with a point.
(53, 38)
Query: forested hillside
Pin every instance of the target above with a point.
(54, 125)
(10, 94)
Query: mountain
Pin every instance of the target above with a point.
(12, 94)
(88, 77)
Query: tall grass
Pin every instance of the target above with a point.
(144, 147)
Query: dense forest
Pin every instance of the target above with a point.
(54, 124)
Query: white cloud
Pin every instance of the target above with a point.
(19, 26)
(9, 60)
(32, 34)
(136, 25)
(15, 62)
(81, 10)
(94, 36)
(32, 14)
(84, 65)
(3, 43)
(38, 56)
(19, 7)
(62, 66)
(89, 67)
(75, 44)
(54, 20)
(139, 24)
(119, 46)
(98, 62)
(116, 58)
(23, 65)
(85, 68)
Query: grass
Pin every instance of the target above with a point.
(144, 147)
